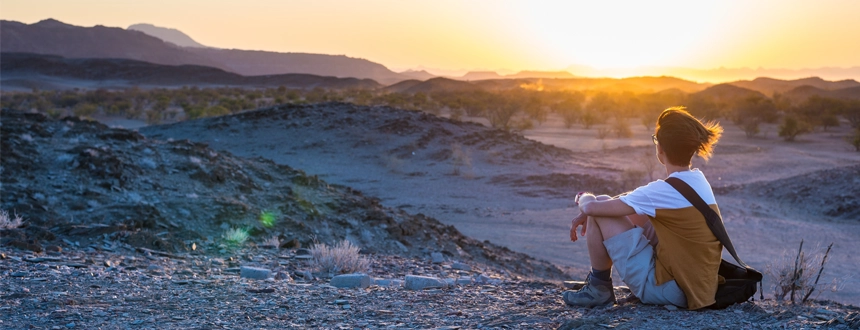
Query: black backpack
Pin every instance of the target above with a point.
(741, 280)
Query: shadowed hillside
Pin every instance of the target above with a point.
(173, 36)
(768, 86)
(84, 181)
(53, 37)
(28, 71)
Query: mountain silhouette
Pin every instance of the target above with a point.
(253, 63)
(768, 86)
(52, 37)
(173, 36)
(729, 92)
(27, 71)
(419, 75)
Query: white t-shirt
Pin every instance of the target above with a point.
(647, 199)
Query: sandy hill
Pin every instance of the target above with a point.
(769, 86)
(173, 36)
(480, 75)
(729, 92)
(440, 84)
(26, 71)
(804, 92)
(542, 74)
(418, 74)
(402, 86)
(52, 37)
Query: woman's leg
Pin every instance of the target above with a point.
(606, 229)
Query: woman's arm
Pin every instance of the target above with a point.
(591, 206)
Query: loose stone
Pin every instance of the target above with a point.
(414, 282)
(254, 273)
(350, 281)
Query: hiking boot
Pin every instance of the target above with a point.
(594, 293)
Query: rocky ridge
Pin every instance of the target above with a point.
(82, 181)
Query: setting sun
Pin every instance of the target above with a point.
(507, 36)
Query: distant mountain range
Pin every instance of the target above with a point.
(53, 37)
(720, 74)
(174, 58)
(25, 71)
(484, 75)
(173, 36)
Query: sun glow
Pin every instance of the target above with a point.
(611, 35)
(501, 35)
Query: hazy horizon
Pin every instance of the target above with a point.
(709, 42)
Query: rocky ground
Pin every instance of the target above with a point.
(130, 288)
(124, 231)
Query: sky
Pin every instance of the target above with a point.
(500, 35)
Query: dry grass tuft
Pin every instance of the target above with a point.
(236, 236)
(342, 258)
(798, 279)
(10, 222)
(273, 241)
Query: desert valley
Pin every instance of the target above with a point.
(153, 175)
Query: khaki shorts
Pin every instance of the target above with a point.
(633, 258)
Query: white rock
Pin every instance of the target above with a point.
(350, 281)
(461, 266)
(414, 282)
(464, 280)
(437, 258)
(254, 273)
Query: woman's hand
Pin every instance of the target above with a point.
(580, 220)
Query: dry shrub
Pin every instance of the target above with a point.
(342, 258)
(461, 158)
(632, 178)
(622, 128)
(798, 278)
(603, 132)
(649, 164)
(236, 236)
(273, 241)
(10, 222)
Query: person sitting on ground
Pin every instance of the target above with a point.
(659, 243)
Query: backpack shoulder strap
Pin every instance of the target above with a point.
(715, 222)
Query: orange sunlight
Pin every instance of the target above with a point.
(457, 36)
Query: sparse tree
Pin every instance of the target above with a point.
(791, 128)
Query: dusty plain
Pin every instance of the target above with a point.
(518, 193)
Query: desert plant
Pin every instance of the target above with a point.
(750, 128)
(85, 109)
(854, 140)
(460, 157)
(631, 178)
(622, 128)
(791, 128)
(342, 258)
(236, 236)
(798, 279)
(649, 164)
(8, 221)
(603, 132)
(273, 241)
